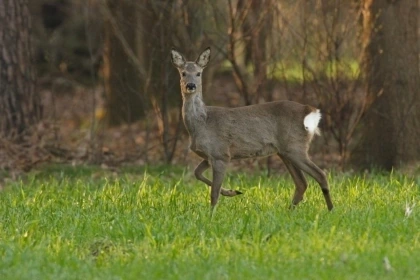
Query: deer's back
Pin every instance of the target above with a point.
(250, 131)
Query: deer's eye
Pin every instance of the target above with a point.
(184, 74)
(198, 74)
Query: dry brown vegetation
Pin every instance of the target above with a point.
(111, 97)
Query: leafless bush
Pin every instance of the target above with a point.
(307, 51)
(310, 49)
(330, 57)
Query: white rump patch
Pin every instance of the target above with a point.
(311, 122)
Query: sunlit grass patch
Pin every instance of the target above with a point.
(85, 223)
(295, 72)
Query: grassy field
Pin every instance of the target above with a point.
(84, 223)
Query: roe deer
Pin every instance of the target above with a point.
(219, 135)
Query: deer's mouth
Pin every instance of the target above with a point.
(190, 91)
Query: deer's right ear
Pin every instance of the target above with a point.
(177, 58)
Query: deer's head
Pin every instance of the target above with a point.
(189, 71)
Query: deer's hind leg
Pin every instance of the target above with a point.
(198, 172)
(302, 161)
(298, 178)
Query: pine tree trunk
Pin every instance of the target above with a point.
(20, 106)
(391, 127)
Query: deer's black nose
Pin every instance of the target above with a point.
(190, 86)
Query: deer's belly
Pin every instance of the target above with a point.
(216, 149)
(244, 151)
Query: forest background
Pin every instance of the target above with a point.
(91, 82)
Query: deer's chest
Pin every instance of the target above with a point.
(199, 147)
(209, 147)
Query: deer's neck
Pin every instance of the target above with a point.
(194, 112)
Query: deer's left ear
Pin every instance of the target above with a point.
(204, 58)
(177, 58)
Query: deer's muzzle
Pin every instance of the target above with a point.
(190, 87)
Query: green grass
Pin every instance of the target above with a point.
(84, 223)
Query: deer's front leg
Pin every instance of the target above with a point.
(198, 172)
(219, 170)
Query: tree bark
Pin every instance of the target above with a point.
(121, 74)
(20, 106)
(391, 127)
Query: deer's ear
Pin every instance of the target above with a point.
(204, 58)
(177, 58)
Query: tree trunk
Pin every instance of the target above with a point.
(20, 106)
(391, 128)
(121, 74)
